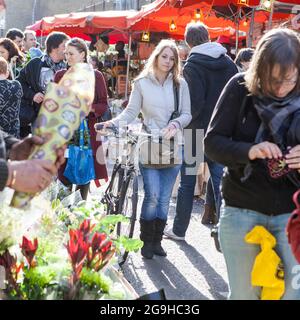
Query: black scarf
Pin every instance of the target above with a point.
(54, 66)
(276, 117)
(279, 124)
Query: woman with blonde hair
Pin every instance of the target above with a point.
(154, 94)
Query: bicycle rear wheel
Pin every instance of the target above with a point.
(128, 207)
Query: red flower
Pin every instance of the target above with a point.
(12, 270)
(86, 228)
(29, 250)
(97, 240)
(78, 249)
(101, 249)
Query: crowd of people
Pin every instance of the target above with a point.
(239, 114)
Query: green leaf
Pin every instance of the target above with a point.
(55, 204)
(129, 244)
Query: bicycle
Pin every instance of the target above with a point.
(121, 194)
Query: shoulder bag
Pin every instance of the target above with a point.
(80, 166)
(161, 153)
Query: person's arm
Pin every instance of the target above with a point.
(4, 174)
(24, 79)
(218, 142)
(133, 107)
(196, 90)
(6, 142)
(30, 176)
(101, 105)
(18, 91)
(9, 140)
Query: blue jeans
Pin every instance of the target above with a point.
(185, 195)
(158, 186)
(210, 198)
(239, 256)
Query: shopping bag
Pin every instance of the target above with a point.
(80, 166)
(267, 271)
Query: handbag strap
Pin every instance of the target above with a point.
(176, 100)
(82, 129)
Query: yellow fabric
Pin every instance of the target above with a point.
(267, 270)
(64, 106)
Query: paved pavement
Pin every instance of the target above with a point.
(192, 270)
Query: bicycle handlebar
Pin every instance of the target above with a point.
(115, 130)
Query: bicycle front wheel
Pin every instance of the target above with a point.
(128, 207)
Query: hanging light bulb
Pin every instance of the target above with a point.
(172, 26)
(245, 23)
(198, 14)
(243, 2)
(145, 36)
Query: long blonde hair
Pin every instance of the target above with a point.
(151, 64)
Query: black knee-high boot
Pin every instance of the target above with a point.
(147, 233)
(158, 235)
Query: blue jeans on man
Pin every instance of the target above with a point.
(185, 195)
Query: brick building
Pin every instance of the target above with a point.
(21, 13)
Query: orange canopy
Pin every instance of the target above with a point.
(158, 15)
(218, 15)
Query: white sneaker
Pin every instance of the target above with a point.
(170, 234)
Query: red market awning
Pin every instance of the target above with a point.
(83, 23)
(218, 15)
(158, 16)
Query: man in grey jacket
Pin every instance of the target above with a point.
(207, 70)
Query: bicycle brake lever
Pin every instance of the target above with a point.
(113, 128)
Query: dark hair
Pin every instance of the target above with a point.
(14, 33)
(80, 46)
(95, 38)
(3, 66)
(12, 49)
(277, 47)
(54, 40)
(120, 45)
(196, 34)
(104, 38)
(99, 63)
(244, 55)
